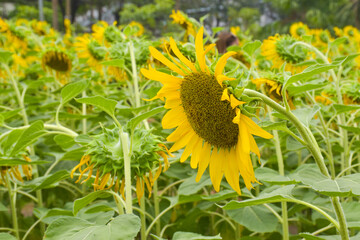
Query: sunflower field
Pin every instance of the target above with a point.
(114, 134)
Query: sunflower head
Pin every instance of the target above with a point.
(137, 28)
(351, 32)
(182, 19)
(207, 115)
(105, 156)
(56, 60)
(298, 29)
(351, 93)
(280, 49)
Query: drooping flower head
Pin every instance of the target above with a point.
(280, 49)
(207, 117)
(58, 61)
(104, 155)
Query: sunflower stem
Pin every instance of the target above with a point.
(157, 207)
(127, 168)
(12, 196)
(313, 147)
(143, 218)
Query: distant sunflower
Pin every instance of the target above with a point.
(139, 27)
(280, 49)
(59, 61)
(90, 49)
(209, 123)
(273, 87)
(181, 19)
(299, 29)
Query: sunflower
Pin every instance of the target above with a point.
(321, 38)
(208, 120)
(280, 49)
(14, 171)
(298, 29)
(180, 18)
(89, 48)
(273, 88)
(139, 27)
(104, 156)
(59, 61)
(15, 37)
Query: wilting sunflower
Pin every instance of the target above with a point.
(90, 49)
(280, 49)
(298, 29)
(209, 123)
(14, 171)
(59, 61)
(105, 156)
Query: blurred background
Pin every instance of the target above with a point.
(257, 18)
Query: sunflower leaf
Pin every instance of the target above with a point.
(105, 104)
(82, 202)
(73, 89)
(136, 120)
(251, 47)
(48, 181)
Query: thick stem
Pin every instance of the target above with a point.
(143, 219)
(134, 75)
(84, 121)
(12, 196)
(156, 206)
(127, 168)
(313, 147)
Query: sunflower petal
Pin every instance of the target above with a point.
(180, 56)
(254, 129)
(222, 62)
(157, 55)
(199, 47)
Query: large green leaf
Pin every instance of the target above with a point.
(73, 89)
(295, 90)
(190, 186)
(83, 202)
(340, 108)
(72, 228)
(136, 120)
(193, 236)
(355, 130)
(345, 186)
(16, 161)
(308, 73)
(254, 218)
(6, 236)
(269, 175)
(123, 227)
(278, 195)
(105, 104)
(251, 47)
(28, 136)
(115, 63)
(305, 115)
(48, 181)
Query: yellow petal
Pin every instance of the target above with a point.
(190, 147)
(179, 55)
(234, 102)
(220, 78)
(225, 95)
(231, 170)
(209, 47)
(254, 129)
(204, 162)
(180, 131)
(253, 146)
(244, 135)
(199, 47)
(157, 55)
(216, 168)
(222, 62)
(172, 103)
(185, 139)
(164, 78)
(173, 118)
(185, 70)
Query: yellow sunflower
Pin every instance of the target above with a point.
(298, 29)
(14, 171)
(279, 49)
(139, 27)
(209, 122)
(180, 18)
(90, 49)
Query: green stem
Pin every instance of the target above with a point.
(143, 218)
(313, 147)
(127, 168)
(156, 206)
(12, 196)
(134, 75)
(84, 121)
